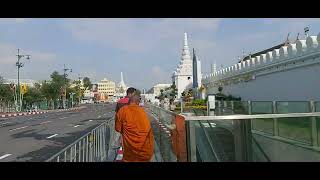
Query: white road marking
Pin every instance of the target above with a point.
(90, 120)
(4, 118)
(4, 156)
(45, 122)
(7, 123)
(99, 116)
(63, 117)
(18, 128)
(76, 125)
(52, 136)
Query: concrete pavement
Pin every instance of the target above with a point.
(38, 137)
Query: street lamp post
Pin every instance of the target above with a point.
(65, 85)
(19, 65)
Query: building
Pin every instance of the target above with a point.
(106, 88)
(182, 76)
(28, 82)
(286, 72)
(156, 90)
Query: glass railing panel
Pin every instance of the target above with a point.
(262, 107)
(291, 146)
(204, 151)
(233, 140)
(294, 128)
(240, 107)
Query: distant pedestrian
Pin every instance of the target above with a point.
(125, 100)
(135, 127)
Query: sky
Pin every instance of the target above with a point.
(147, 51)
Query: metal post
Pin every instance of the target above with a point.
(79, 151)
(275, 120)
(191, 142)
(87, 149)
(101, 142)
(232, 107)
(83, 149)
(18, 88)
(65, 156)
(250, 112)
(75, 153)
(314, 132)
(58, 158)
(70, 158)
(219, 107)
(98, 142)
(95, 144)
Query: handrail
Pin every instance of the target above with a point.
(243, 117)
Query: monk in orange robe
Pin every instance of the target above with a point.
(137, 135)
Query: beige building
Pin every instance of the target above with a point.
(156, 90)
(106, 87)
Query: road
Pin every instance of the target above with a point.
(36, 138)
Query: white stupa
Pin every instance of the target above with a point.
(120, 89)
(182, 76)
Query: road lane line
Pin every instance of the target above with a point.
(4, 118)
(76, 126)
(52, 136)
(18, 128)
(4, 156)
(6, 123)
(45, 122)
(90, 120)
(99, 116)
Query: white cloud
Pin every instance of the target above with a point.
(137, 35)
(36, 68)
(8, 54)
(158, 75)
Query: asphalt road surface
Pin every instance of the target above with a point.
(37, 137)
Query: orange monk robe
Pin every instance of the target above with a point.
(133, 123)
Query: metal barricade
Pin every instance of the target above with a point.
(92, 147)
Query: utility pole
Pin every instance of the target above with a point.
(65, 85)
(19, 65)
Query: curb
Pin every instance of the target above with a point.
(22, 114)
(32, 113)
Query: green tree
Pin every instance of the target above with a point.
(34, 95)
(161, 96)
(6, 93)
(173, 93)
(87, 83)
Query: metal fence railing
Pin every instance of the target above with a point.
(7, 107)
(92, 147)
